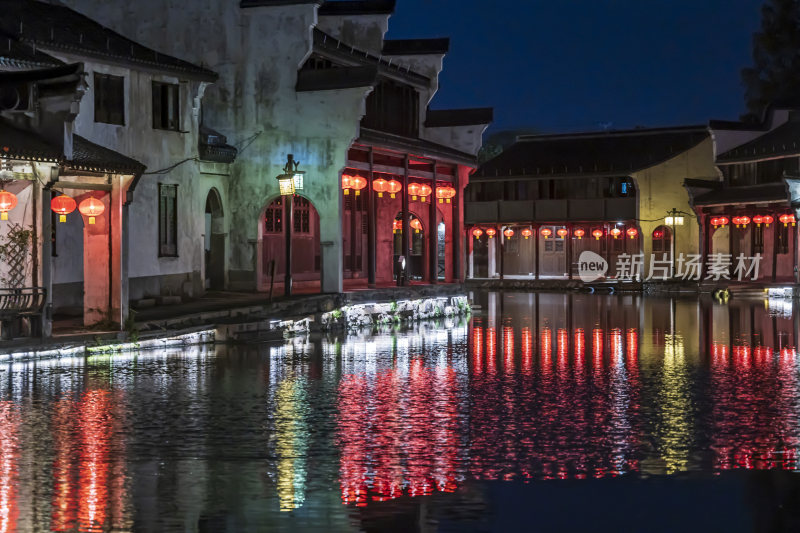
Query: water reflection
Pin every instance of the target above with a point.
(327, 431)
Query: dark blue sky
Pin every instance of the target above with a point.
(569, 65)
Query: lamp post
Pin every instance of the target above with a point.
(291, 181)
(673, 219)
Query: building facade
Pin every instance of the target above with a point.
(319, 81)
(534, 209)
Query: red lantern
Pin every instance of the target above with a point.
(358, 183)
(491, 232)
(8, 201)
(63, 205)
(597, 234)
(477, 232)
(616, 232)
(379, 186)
(416, 224)
(508, 233)
(632, 232)
(545, 232)
(526, 233)
(562, 233)
(767, 219)
(393, 187)
(445, 193)
(787, 219)
(413, 190)
(719, 221)
(397, 225)
(91, 207)
(757, 219)
(744, 221)
(424, 192)
(657, 234)
(347, 183)
(579, 233)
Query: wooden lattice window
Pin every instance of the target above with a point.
(302, 215)
(166, 112)
(273, 220)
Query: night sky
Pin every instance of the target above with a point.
(572, 65)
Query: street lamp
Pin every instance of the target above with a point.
(289, 183)
(673, 219)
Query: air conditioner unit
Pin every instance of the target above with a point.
(16, 97)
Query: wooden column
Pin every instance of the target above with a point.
(569, 252)
(433, 259)
(536, 252)
(406, 228)
(457, 232)
(371, 222)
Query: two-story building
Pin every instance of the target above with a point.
(534, 209)
(318, 80)
(128, 108)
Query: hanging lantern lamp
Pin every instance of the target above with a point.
(744, 221)
(413, 190)
(397, 225)
(757, 220)
(416, 224)
(347, 183)
(445, 193)
(546, 232)
(632, 232)
(787, 219)
(63, 205)
(579, 233)
(527, 233)
(508, 233)
(477, 232)
(424, 192)
(92, 208)
(8, 201)
(491, 232)
(597, 234)
(615, 232)
(562, 232)
(393, 187)
(767, 219)
(358, 183)
(379, 186)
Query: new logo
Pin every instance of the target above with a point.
(591, 266)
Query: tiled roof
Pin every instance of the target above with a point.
(357, 7)
(270, 3)
(87, 155)
(419, 147)
(770, 192)
(442, 118)
(586, 154)
(18, 55)
(396, 47)
(16, 143)
(781, 142)
(214, 147)
(336, 78)
(57, 28)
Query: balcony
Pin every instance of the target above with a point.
(550, 210)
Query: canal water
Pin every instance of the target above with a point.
(542, 412)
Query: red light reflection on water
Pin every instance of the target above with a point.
(397, 433)
(508, 349)
(527, 350)
(9, 474)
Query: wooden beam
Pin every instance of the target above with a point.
(84, 186)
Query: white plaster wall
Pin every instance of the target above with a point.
(21, 215)
(157, 149)
(364, 32)
(465, 138)
(257, 53)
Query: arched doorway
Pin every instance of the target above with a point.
(415, 261)
(214, 242)
(662, 242)
(306, 259)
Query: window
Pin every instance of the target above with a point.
(167, 220)
(393, 108)
(109, 99)
(302, 215)
(166, 113)
(273, 218)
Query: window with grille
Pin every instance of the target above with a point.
(302, 215)
(167, 220)
(273, 222)
(394, 108)
(109, 99)
(166, 114)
